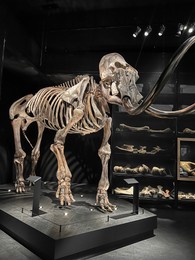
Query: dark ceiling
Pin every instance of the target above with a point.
(91, 25)
(84, 27)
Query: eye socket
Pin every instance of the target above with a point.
(107, 84)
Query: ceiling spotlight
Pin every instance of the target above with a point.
(138, 30)
(180, 29)
(162, 29)
(191, 28)
(148, 31)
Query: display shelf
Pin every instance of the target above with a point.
(186, 126)
(185, 156)
(151, 188)
(156, 157)
(143, 123)
(146, 145)
(185, 159)
(147, 193)
(123, 174)
(154, 135)
(136, 132)
(149, 199)
(185, 194)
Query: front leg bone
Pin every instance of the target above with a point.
(63, 173)
(64, 176)
(104, 154)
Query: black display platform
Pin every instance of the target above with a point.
(71, 232)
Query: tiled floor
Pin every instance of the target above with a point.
(11, 249)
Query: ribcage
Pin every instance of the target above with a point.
(48, 107)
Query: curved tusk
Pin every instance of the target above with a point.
(176, 58)
(168, 114)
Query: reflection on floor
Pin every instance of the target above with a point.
(174, 239)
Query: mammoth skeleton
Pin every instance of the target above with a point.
(80, 106)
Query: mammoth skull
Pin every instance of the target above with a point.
(120, 78)
(117, 75)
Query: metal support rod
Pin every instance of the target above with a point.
(133, 182)
(36, 196)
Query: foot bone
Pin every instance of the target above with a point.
(64, 194)
(103, 201)
(20, 186)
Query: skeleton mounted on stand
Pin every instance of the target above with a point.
(80, 106)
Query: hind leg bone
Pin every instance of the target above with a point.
(36, 150)
(18, 156)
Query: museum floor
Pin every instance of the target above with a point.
(174, 239)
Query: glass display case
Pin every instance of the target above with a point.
(143, 147)
(186, 159)
(159, 153)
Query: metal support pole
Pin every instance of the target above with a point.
(133, 182)
(36, 195)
